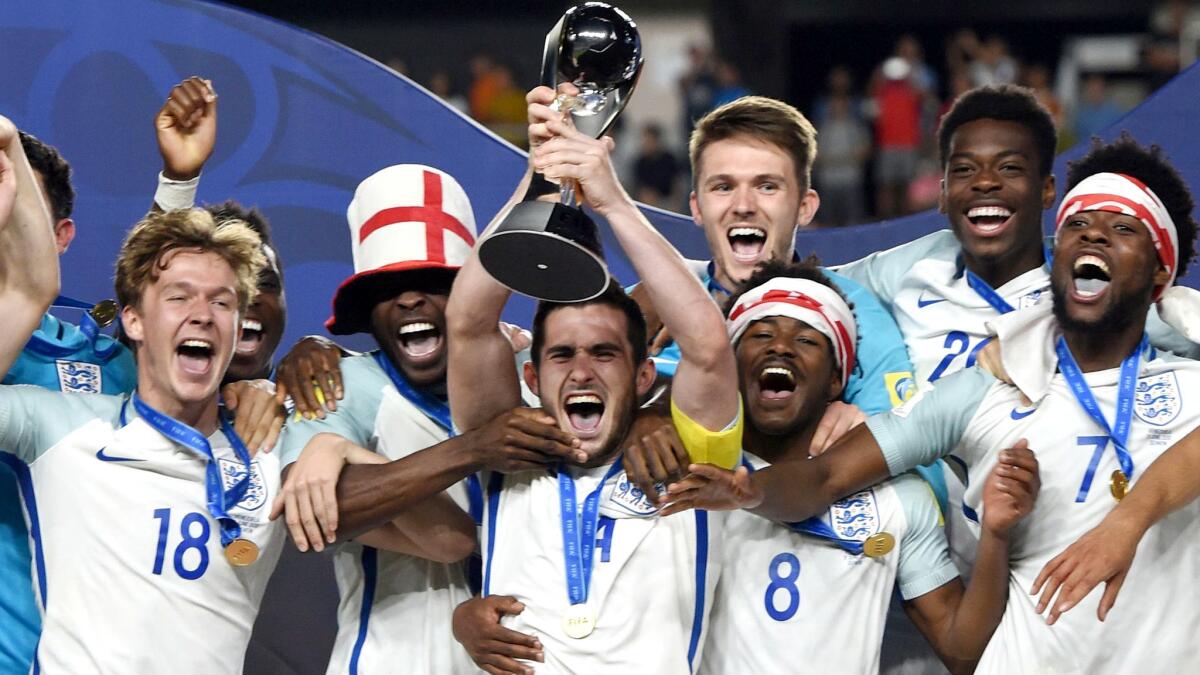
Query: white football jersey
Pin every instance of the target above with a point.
(975, 417)
(393, 608)
(651, 584)
(129, 567)
(944, 321)
(789, 602)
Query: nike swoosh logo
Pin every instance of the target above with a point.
(1021, 415)
(922, 302)
(110, 458)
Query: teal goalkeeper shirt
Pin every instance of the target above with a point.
(58, 356)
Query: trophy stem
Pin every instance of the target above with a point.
(567, 193)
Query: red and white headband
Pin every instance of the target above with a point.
(1119, 193)
(803, 300)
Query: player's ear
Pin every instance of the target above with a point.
(64, 232)
(530, 375)
(942, 195)
(1048, 192)
(131, 323)
(646, 375)
(695, 206)
(835, 384)
(808, 207)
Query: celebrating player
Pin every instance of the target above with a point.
(752, 166)
(1124, 232)
(404, 574)
(89, 462)
(619, 586)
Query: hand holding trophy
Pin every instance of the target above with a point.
(551, 251)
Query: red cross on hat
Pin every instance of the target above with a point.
(403, 218)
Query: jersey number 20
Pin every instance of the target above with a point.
(194, 531)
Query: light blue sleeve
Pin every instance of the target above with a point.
(1167, 339)
(931, 424)
(924, 550)
(882, 271)
(33, 419)
(120, 373)
(882, 378)
(354, 419)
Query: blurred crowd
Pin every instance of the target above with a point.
(877, 159)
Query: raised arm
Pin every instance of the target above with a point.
(959, 623)
(186, 130)
(29, 279)
(704, 387)
(480, 376)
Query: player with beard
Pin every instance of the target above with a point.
(620, 587)
(1106, 553)
(1090, 396)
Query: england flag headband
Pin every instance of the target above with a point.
(803, 300)
(1119, 193)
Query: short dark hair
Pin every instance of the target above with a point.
(613, 296)
(1151, 166)
(1007, 103)
(55, 172)
(231, 209)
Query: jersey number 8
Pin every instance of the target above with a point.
(785, 583)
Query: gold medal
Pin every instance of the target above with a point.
(241, 552)
(879, 545)
(104, 312)
(579, 621)
(1119, 485)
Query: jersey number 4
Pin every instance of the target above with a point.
(782, 587)
(194, 531)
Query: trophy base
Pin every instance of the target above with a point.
(547, 251)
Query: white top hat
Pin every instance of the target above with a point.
(403, 218)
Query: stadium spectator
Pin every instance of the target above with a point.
(441, 85)
(1095, 110)
(897, 104)
(839, 168)
(655, 168)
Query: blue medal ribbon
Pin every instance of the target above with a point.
(87, 325)
(1119, 432)
(579, 538)
(818, 528)
(439, 412)
(984, 290)
(711, 283)
(219, 499)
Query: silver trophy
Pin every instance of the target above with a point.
(551, 251)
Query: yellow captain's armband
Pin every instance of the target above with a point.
(721, 448)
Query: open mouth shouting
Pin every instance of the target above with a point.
(1090, 278)
(585, 411)
(988, 221)
(195, 356)
(747, 243)
(419, 340)
(776, 383)
(252, 336)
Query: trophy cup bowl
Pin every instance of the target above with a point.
(551, 251)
